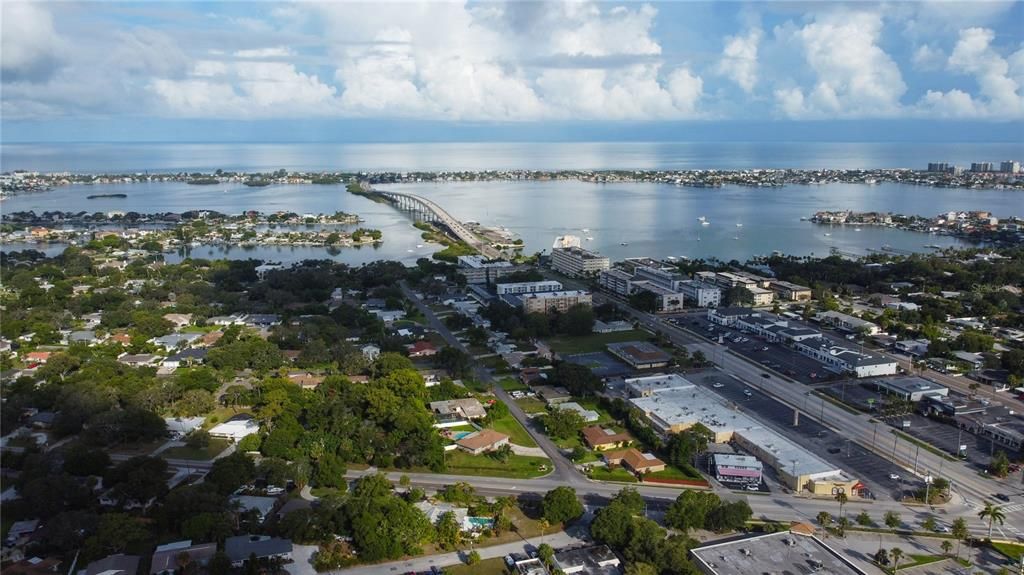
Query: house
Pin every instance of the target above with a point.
(306, 380)
(595, 560)
(210, 338)
(263, 506)
(121, 338)
(178, 427)
(36, 357)
(421, 349)
(85, 336)
(370, 352)
(588, 415)
(236, 428)
(179, 320)
(119, 564)
(240, 548)
(601, 439)
(20, 531)
(224, 320)
(388, 315)
(173, 341)
(185, 358)
(913, 346)
(42, 419)
(975, 360)
(552, 394)
(165, 557)
(482, 441)
(457, 411)
(33, 566)
(261, 320)
(635, 461)
(432, 377)
(138, 359)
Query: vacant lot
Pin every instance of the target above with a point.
(215, 447)
(594, 341)
(518, 466)
(512, 428)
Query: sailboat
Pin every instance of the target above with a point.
(703, 221)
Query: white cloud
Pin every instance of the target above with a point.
(854, 77)
(30, 47)
(275, 52)
(739, 59)
(998, 79)
(928, 57)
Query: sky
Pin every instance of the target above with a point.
(394, 71)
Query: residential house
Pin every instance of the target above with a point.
(174, 341)
(178, 427)
(370, 352)
(33, 566)
(179, 320)
(634, 460)
(138, 360)
(185, 358)
(165, 557)
(119, 564)
(236, 428)
(36, 357)
(262, 506)
(552, 394)
(20, 531)
(242, 547)
(588, 415)
(457, 411)
(306, 380)
(482, 441)
(421, 349)
(602, 439)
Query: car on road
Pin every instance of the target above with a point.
(747, 392)
(1002, 497)
(894, 476)
(765, 348)
(717, 384)
(753, 487)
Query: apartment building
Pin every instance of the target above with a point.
(789, 291)
(527, 287)
(700, 294)
(560, 301)
(616, 281)
(576, 262)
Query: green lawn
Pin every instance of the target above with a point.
(511, 384)
(591, 404)
(497, 363)
(222, 414)
(916, 560)
(518, 466)
(672, 472)
(207, 453)
(1011, 550)
(511, 427)
(594, 341)
(532, 405)
(495, 566)
(617, 474)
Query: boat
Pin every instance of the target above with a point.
(623, 243)
(419, 245)
(856, 229)
(705, 223)
(585, 230)
(735, 237)
(410, 251)
(827, 235)
(590, 239)
(739, 225)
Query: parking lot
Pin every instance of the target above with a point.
(871, 469)
(771, 355)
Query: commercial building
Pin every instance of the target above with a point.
(527, 287)
(796, 551)
(842, 359)
(847, 322)
(667, 279)
(673, 404)
(728, 316)
(574, 262)
(559, 301)
(910, 388)
(616, 281)
(595, 560)
(478, 270)
(789, 291)
(761, 296)
(665, 300)
(639, 354)
(701, 294)
(731, 468)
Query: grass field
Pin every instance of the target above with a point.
(494, 566)
(617, 474)
(672, 472)
(518, 466)
(594, 341)
(207, 453)
(591, 404)
(532, 405)
(512, 384)
(514, 430)
(1011, 550)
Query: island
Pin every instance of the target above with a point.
(98, 196)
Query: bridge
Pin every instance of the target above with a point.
(423, 209)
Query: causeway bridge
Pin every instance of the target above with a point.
(424, 209)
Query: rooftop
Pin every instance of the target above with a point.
(639, 351)
(784, 552)
(909, 384)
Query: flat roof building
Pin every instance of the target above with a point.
(527, 287)
(595, 560)
(478, 270)
(560, 301)
(639, 354)
(910, 388)
(781, 552)
(574, 262)
(789, 291)
(616, 281)
(701, 294)
(732, 468)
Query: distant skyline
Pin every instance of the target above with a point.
(512, 71)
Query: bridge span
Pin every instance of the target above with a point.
(421, 205)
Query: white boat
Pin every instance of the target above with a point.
(419, 245)
(585, 230)
(624, 243)
(856, 229)
(590, 239)
(410, 251)
(739, 225)
(828, 235)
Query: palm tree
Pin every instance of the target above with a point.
(897, 555)
(993, 513)
(946, 546)
(961, 533)
(842, 499)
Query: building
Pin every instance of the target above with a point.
(1010, 167)
(731, 468)
(262, 506)
(119, 564)
(673, 404)
(552, 395)
(370, 352)
(982, 167)
(178, 427)
(844, 360)
(138, 360)
(634, 460)
(421, 348)
(478, 270)
(761, 296)
(33, 566)
(241, 548)
(235, 428)
(789, 291)
(669, 280)
(700, 294)
(912, 346)
(576, 262)
(165, 557)
(666, 300)
(465, 409)
(602, 439)
(482, 441)
(728, 316)
(588, 415)
(847, 322)
(639, 354)
(616, 281)
(910, 388)
(795, 551)
(595, 560)
(528, 287)
(559, 301)
(175, 340)
(940, 168)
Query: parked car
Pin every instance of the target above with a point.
(1002, 497)
(894, 476)
(717, 384)
(753, 487)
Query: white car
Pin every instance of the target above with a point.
(753, 487)
(894, 476)
(717, 384)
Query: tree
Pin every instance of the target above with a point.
(842, 500)
(947, 546)
(473, 557)
(229, 473)
(960, 531)
(116, 533)
(611, 525)
(561, 505)
(457, 362)
(641, 569)
(562, 423)
(929, 524)
(502, 453)
(198, 439)
(897, 555)
(881, 557)
(1000, 464)
(892, 519)
(578, 379)
(578, 320)
(330, 471)
(731, 516)
(864, 520)
(994, 514)
(82, 461)
(138, 479)
(824, 519)
(690, 510)
(545, 553)
(220, 564)
(449, 532)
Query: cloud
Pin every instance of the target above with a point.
(275, 52)
(854, 77)
(30, 49)
(739, 59)
(928, 57)
(998, 79)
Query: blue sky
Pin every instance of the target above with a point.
(421, 71)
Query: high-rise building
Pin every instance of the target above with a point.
(1010, 167)
(574, 261)
(982, 167)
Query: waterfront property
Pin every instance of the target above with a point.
(576, 262)
(527, 287)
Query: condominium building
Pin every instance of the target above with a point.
(1011, 167)
(545, 302)
(528, 287)
(789, 291)
(616, 281)
(701, 294)
(573, 261)
(666, 279)
(761, 296)
(479, 270)
(665, 300)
